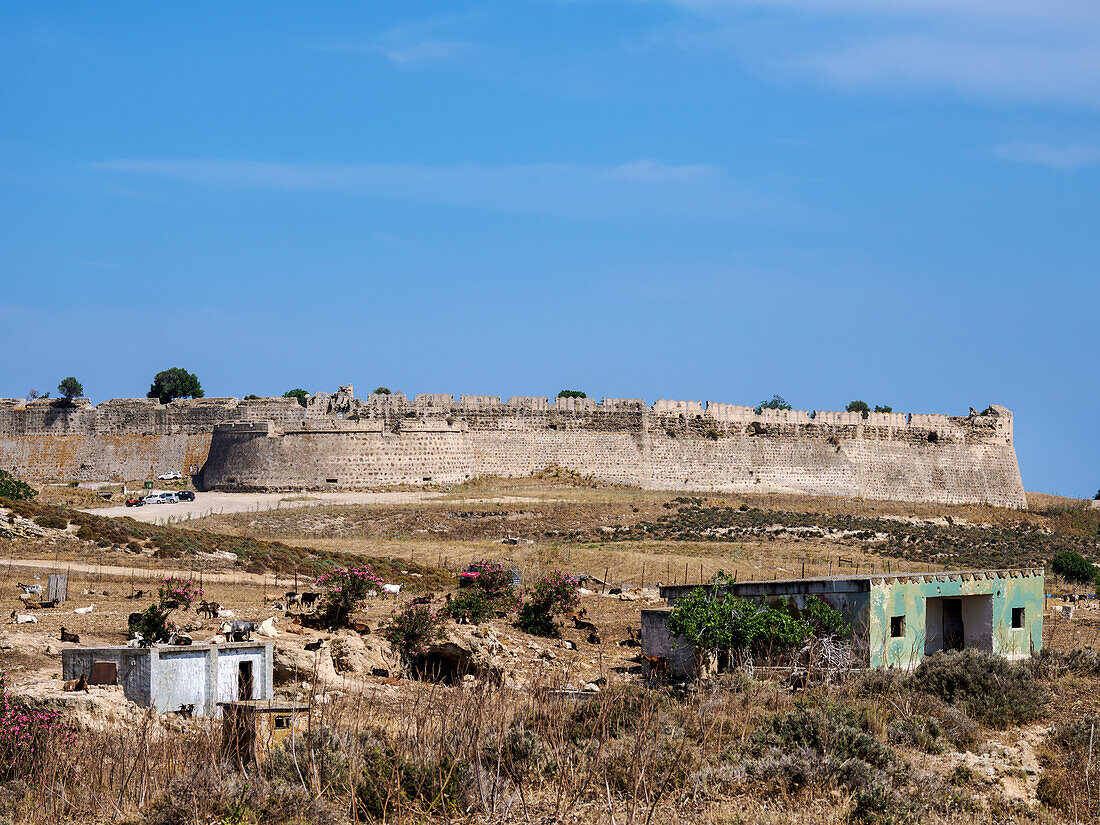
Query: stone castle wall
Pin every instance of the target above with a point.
(341, 442)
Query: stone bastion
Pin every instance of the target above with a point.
(341, 442)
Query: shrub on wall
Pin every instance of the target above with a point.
(572, 394)
(298, 393)
(70, 388)
(860, 407)
(777, 402)
(174, 383)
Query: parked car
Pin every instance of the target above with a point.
(170, 476)
(169, 498)
(186, 495)
(135, 501)
(153, 498)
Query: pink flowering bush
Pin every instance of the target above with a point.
(551, 596)
(346, 590)
(411, 630)
(490, 593)
(177, 593)
(173, 594)
(27, 736)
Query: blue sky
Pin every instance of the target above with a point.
(892, 200)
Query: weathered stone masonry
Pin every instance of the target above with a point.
(341, 442)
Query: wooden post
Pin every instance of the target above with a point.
(605, 572)
(643, 574)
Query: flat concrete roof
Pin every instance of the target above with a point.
(862, 578)
(172, 648)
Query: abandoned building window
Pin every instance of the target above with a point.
(282, 722)
(330, 481)
(244, 681)
(933, 437)
(1017, 617)
(427, 478)
(897, 626)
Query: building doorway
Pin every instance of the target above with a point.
(244, 681)
(958, 623)
(954, 631)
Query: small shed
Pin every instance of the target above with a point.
(194, 678)
(896, 619)
(250, 728)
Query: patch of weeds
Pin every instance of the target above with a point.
(988, 687)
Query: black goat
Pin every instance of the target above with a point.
(66, 636)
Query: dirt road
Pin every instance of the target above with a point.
(209, 504)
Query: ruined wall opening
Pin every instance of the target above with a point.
(958, 623)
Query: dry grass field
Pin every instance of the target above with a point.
(522, 740)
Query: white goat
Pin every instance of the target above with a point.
(391, 590)
(83, 611)
(225, 614)
(23, 618)
(267, 628)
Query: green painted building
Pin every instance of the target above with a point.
(897, 620)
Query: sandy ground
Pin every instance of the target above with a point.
(207, 504)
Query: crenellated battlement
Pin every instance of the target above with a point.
(262, 443)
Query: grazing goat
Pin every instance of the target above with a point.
(23, 618)
(33, 589)
(209, 609)
(391, 590)
(424, 599)
(136, 594)
(76, 684)
(291, 597)
(84, 611)
(309, 599)
(66, 636)
(315, 646)
(238, 631)
(658, 666)
(186, 711)
(594, 638)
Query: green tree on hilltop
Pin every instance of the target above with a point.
(572, 394)
(174, 383)
(383, 391)
(883, 408)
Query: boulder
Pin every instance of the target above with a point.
(352, 653)
(292, 664)
(462, 651)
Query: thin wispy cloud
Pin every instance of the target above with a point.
(1064, 157)
(414, 43)
(1015, 50)
(561, 188)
